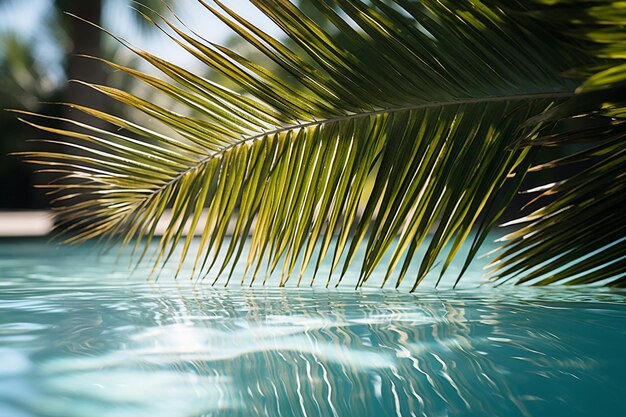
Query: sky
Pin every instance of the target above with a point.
(24, 17)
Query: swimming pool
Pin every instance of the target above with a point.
(80, 337)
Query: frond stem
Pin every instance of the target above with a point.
(300, 125)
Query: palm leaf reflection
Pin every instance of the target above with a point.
(263, 352)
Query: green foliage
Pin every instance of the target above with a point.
(442, 101)
(580, 235)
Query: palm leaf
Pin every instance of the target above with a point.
(577, 235)
(426, 97)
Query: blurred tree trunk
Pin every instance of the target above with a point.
(86, 40)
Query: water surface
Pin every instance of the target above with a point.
(79, 337)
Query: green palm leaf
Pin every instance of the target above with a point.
(579, 237)
(426, 97)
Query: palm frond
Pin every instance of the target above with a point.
(427, 96)
(577, 235)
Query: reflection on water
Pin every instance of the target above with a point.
(112, 347)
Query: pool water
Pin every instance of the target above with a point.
(79, 337)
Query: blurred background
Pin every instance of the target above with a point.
(39, 47)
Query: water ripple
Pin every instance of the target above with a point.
(72, 345)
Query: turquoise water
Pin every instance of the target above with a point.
(79, 337)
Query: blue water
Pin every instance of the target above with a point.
(79, 337)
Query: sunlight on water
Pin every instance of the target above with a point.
(79, 338)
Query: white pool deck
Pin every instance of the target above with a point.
(25, 223)
(40, 223)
